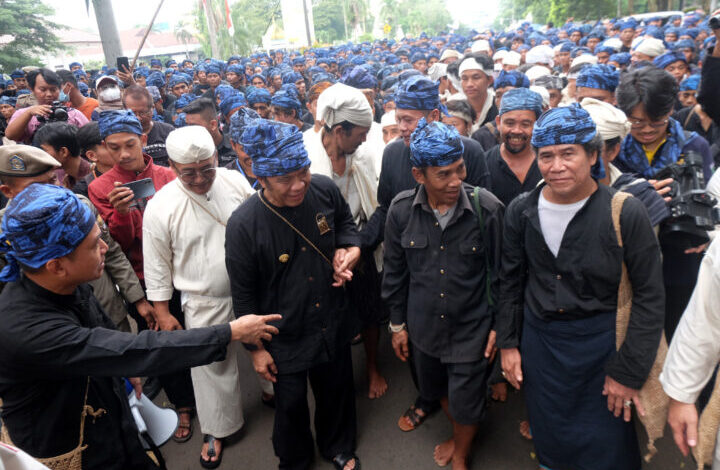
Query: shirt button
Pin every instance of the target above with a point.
(442, 271)
(311, 279)
(558, 277)
(442, 316)
(317, 305)
(437, 224)
(474, 248)
(303, 249)
(412, 243)
(561, 310)
(442, 296)
(442, 247)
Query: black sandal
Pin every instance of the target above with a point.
(415, 418)
(211, 451)
(343, 458)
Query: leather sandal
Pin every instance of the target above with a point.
(343, 458)
(211, 451)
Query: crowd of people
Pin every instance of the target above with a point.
(499, 201)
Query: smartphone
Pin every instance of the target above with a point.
(141, 189)
(123, 63)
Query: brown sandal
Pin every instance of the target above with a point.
(415, 418)
(181, 425)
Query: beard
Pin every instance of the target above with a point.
(516, 143)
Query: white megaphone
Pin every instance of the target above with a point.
(159, 424)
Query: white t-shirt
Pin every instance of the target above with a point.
(554, 219)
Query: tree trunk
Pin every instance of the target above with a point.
(112, 47)
(212, 30)
(631, 7)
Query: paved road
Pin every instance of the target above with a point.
(381, 445)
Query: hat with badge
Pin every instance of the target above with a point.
(25, 161)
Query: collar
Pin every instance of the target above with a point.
(40, 292)
(463, 203)
(131, 174)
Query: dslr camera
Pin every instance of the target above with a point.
(692, 209)
(58, 113)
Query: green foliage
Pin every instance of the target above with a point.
(557, 11)
(26, 22)
(251, 19)
(328, 21)
(415, 16)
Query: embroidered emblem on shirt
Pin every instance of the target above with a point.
(322, 224)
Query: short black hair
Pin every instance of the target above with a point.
(88, 137)
(67, 76)
(462, 106)
(204, 106)
(655, 89)
(58, 135)
(50, 77)
(346, 126)
(292, 111)
(595, 145)
(611, 143)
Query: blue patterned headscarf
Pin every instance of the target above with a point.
(668, 58)
(223, 91)
(692, 83)
(178, 78)
(418, 93)
(521, 99)
(257, 95)
(291, 77)
(42, 223)
(622, 58)
(257, 75)
(434, 144)
(232, 102)
(156, 79)
(275, 148)
(568, 125)
(184, 100)
(115, 122)
(287, 100)
(359, 77)
(598, 76)
(239, 121)
(513, 78)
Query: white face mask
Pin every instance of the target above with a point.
(110, 94)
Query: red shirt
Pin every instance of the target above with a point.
(126, 229)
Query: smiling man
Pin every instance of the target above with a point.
(289, 248)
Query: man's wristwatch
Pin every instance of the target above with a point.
(396, 328)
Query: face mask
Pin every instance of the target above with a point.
(110, 94)
(63, 97)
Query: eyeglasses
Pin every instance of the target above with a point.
(189, 176)
(654, 124)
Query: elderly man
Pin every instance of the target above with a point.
(63, 347)
(183, 243)
(559, 280)
(338, 153)
(439, 263)
(289, 248)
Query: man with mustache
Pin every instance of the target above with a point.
(512, 165)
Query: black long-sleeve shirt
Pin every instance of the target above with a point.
(708, 96)
(50, 343)
(396, 176)
(505, 184)
(435, 279)
(273, 270)
(584, 278)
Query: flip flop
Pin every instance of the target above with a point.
(188, 426)
(342, 459)
(414, 417)
(211, 451)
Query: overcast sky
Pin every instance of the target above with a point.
(129, 13)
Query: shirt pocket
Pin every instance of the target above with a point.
(416, 247)
(472, 259)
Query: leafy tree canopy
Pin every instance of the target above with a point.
(25, 33)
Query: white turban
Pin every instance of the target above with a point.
(499, 55)
(447, 53)
(481, 45)
(512, 58)
(650, 46)
(537, 71)
(584, 59)
(190, 144)
(437, 71)
(544, 93)
(388, 119)
(615, 43)
(340, 103)
(609, 120)
(469, 63)
(540, 55)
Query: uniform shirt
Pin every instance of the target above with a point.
(226, 154)
(126, 229)
(155, 146)
(505, 185)
(583, 280)
(46, 355)
(396, 176)
(435, 278)
(183, 244)
(273, 270)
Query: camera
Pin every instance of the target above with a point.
(692, 209)
(714, 22)
(58, 113)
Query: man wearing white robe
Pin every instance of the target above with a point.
(340, 151)
(184, 248)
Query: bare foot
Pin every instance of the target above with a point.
(499, 392)
(378, 384)
(444, 452)
(204, 452)
(350, 465)
(525, 430)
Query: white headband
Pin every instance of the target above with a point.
(471, 64)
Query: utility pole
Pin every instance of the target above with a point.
(212, 30)
(619, 8)
(307, 23)
(344, 18)
(112, 47)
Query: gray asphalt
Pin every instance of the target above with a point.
(381, 444)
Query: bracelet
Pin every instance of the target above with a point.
(396, 328)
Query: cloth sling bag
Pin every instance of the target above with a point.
(71, 460)
(652, 396)
(481, 223)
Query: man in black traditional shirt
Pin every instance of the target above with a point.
(202, 112)
(439, 266)
(64, 348)
(290, 248)
(559, 280)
